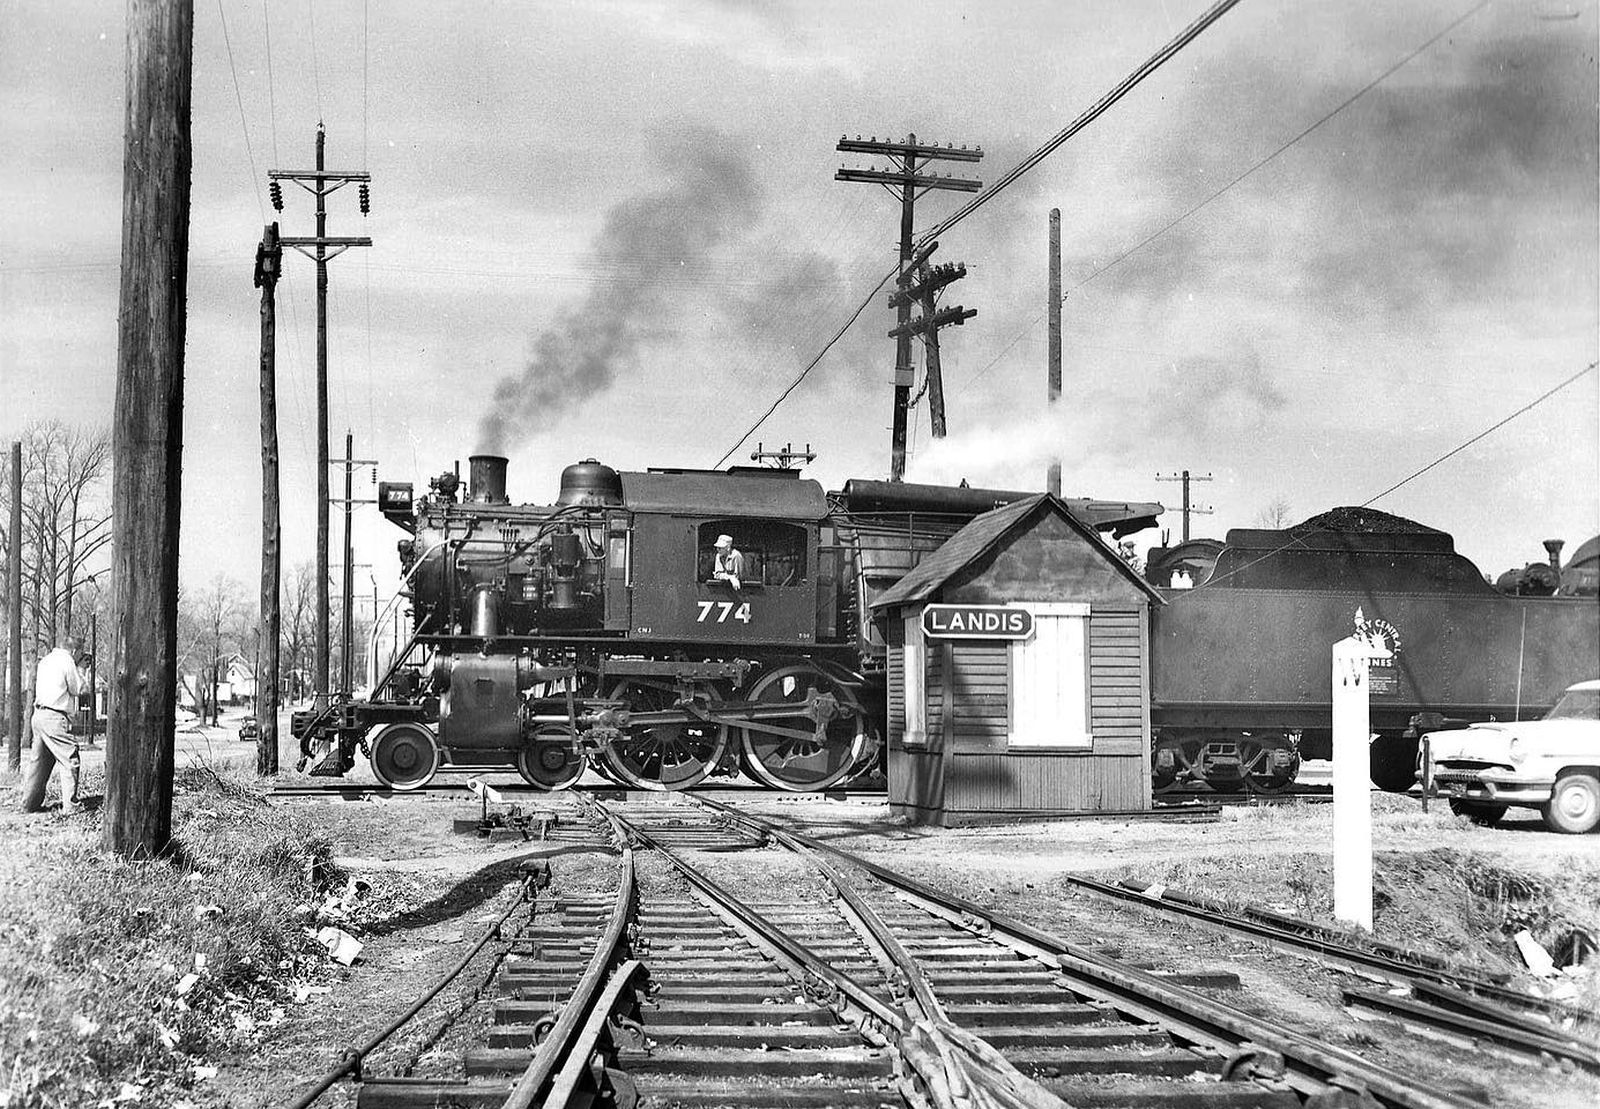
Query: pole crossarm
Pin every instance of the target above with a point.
(944, 317)
(930, 281)
(916, 180)
(299, 241)
(318, 175)
(909, 149)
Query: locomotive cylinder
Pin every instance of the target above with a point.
(487, 477)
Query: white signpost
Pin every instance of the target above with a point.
(1352, 781)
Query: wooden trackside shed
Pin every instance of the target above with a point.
(1018, 672)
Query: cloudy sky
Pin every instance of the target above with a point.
(611, 228)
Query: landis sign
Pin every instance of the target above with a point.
(976, 622)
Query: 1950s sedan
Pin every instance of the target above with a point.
(1551, 764)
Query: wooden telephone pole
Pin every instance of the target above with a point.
(909, 159)
(347, 621)
(321, 248)
(1188, 510)
(269, 263)
(18, 719)
(1053, 368)
(147, 431)
(920, 284)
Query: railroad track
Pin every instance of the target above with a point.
(1431, 995)
(712, 969)
(358, 791)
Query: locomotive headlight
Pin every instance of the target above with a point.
(1518, 751)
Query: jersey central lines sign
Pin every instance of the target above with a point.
(976, 622)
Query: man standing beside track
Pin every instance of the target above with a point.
(56, 687)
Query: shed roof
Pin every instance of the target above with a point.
(720, 494)
(982, 535)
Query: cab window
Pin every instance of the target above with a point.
(774, 553)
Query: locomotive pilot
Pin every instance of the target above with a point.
(729, 563)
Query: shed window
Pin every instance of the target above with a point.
(915, 656)
(774, 552)
(1050, 679)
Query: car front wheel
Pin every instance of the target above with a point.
(1574, 805)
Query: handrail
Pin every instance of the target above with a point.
(378, 621)
(557, 1046)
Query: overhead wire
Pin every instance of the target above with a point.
(1121, 89)
(1153, 236)
(1370, 501)
(244, 127)
(316, 72)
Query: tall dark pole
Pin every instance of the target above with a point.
(14, 632)
(147, 428)
(94, 685)
(320, 182)
(320, 666)
(1054, 368)
(908, 179)
(1188, 509)
(269, 259)
(347, 626)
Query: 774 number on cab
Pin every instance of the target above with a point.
(724, 611)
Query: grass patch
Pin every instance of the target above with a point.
(120, 976)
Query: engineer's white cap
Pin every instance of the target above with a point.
(724, 540)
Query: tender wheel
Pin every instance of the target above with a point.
(1185, 772)
(405, 756)
(1261, 773)
(799, 759)
(1486, 813)
(662, 756)
(549, 760)
(1574, 805)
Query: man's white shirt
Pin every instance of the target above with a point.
(58, 682)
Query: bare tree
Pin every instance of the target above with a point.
(299, 607)
(1276, 513)
(66, 520)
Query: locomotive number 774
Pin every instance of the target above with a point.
(723, 609)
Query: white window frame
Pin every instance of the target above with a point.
(1050, 679)
(914, 659)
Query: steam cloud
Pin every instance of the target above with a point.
(657, 240)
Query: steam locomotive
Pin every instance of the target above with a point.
(1240, 662)
(594, 631)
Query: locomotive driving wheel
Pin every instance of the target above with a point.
(405, 756)
(550, 760)
(819, 745)
(662, 756)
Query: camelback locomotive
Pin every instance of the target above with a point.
(1240, 661)
(596, 631)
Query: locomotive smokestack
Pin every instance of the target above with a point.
(1553, 549)
(487, 476)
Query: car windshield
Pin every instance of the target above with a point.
(1576, 704)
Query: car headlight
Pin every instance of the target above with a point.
(1518, 751)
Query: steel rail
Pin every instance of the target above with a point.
(578, 1064)
(1436, 980)
(949, 1058)
(1491, 1027)
(558, 1045)
(1311, 1066)
(350, 1062)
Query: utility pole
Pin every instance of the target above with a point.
(269, 263)
(1188, 510)
(923, 289)
(1053, 368)
(346, 627)
(14, 632)
(785, 458)
(94, 685)
(147, 427)
(909, 158)
(321, 249)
